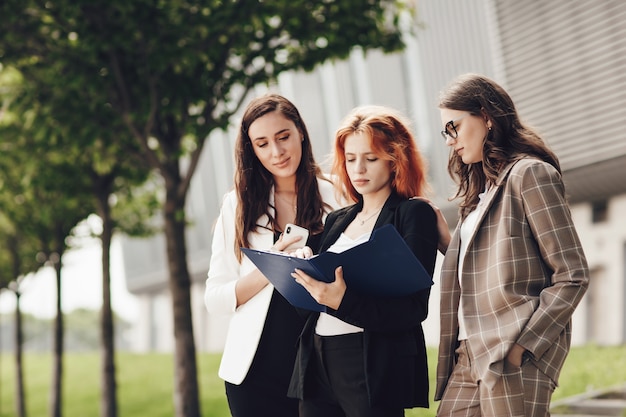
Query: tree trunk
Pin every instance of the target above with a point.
(57, 358)
(19, 341)
(108, 397)
(186, 398)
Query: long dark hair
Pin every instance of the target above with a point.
(508, 139)
(253, 182)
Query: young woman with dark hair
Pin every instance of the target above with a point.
(514, 269)
(276, 182)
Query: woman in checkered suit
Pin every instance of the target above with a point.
(514, 268)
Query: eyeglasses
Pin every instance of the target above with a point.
(450, 129)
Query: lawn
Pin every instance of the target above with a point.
(145, 382)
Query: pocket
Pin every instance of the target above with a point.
(508, 394)
(511, 368)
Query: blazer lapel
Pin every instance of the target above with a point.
(339, 225)
(488, 199)
(388, 212)
(342, 221)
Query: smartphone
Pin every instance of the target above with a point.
(293, 230)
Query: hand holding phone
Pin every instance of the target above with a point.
(292, 230)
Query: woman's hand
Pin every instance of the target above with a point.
(284, 242)
(442, 227)
(515, 355)
(251, 284)
(304, 253)
(281, 244)
(329, 294)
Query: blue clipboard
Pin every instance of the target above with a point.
(383, 266)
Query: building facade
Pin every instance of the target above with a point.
(564, 64)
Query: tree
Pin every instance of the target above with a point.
(9, 263)
(49, 216)
(43, 199)
(110, 162)
(175, 71)
(17, 259)
(17, 253)
(107, 170)
(114, 171)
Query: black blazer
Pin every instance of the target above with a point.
(393, 340)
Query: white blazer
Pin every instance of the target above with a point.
(246, 321)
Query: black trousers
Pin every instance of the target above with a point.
(263, 392)
(256, 399)
(336, 381)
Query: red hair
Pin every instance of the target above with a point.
(392, 140)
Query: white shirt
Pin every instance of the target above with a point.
(328, 325)
(467, 228)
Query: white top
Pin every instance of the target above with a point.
(328, 325)
(467, 229)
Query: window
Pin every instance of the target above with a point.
(599, 211)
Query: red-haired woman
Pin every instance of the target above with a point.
(365, 356)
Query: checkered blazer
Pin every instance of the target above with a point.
(523, 274)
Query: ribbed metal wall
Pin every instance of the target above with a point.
(566, 69)
(455, 38)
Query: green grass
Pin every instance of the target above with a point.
(145, 382)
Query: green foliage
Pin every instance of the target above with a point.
(145, 381)
(592, 368)
(175, 68)
(31, 211)
(105, 89)
(51, 176)
(134, 208)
